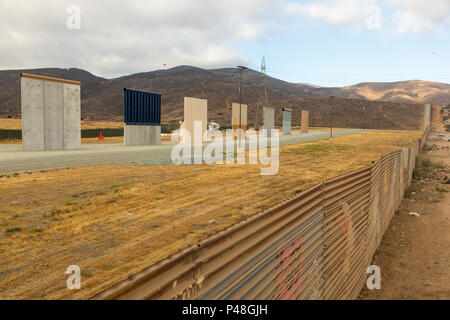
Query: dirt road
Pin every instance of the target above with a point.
(414, 255)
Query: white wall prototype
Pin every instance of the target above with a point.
(194, 110)
(269, 119)
(235, 115)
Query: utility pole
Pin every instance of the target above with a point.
(363, 117)
(241, 70)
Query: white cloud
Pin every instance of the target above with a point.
(416, 16)
(339, 13)
(118, 37)
(421, 16)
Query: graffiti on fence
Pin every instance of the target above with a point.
(290, 278)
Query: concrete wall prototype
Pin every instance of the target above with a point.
(72, 116)
(32, 104)
(287, 118)
(51, 113)
(426, 116)
(194, 110)
(235, 116)
(141, 135)
(269, 119)
(305, 121)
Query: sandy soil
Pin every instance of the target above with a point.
(414, 255)
(113, 221)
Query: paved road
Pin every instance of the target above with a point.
(13, 159)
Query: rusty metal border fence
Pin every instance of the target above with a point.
(315, 245)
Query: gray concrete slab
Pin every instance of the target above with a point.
(72, 116)
(155, 135)
(14, 159)
(269, 119)
(53, 116)
(32, 104)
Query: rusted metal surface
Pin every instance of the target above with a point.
(346, 204)
(273, 255)
(316, 245)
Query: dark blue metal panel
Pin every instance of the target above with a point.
(142, 107)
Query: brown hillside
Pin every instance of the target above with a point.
(102, 99)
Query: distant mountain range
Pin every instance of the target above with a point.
(102, 99)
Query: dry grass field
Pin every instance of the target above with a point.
(16, 124)
(113, 221)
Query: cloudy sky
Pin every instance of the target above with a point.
(325, 42)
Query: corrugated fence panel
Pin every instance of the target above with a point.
(316, 245)
(346, 206)
(279, 260)
(273, 255)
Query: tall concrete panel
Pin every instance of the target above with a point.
(53, 116)
(287, 118)
(72, 116)
(305, 121)
(194, 110)
(32, 105)
(426, 116)
(269, 119)
(235, 116)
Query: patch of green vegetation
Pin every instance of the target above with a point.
(442, 189)
(37, 230)
(155, 225)
(115, 187)
(434, 201)
(241, 206)
(2, 251)
(108, 266)
(319, 148)
(15, 216)
(75, 195)
(86, 273)
(12, 230)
